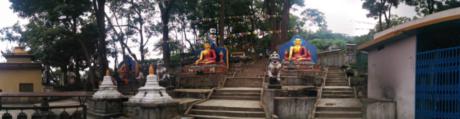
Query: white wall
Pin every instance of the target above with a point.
(392, 75)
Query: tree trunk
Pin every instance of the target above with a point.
(270, 7)
(220, 41)
(141, 35)
(184, 32)
(285, 21)
(99, 7)
(165, 13)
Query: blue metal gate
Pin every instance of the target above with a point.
(438, 84)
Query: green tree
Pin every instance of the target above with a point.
(427, 7)
(55, 26)
(314, 18)
(381, 10)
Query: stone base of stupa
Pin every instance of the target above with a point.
(106, 108)
(168, 110)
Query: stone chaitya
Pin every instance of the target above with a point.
(152, 92)
(107, 90)
(107, 102)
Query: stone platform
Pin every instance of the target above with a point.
(231, 103)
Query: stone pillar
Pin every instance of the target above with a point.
(152, 101)
(107, 101)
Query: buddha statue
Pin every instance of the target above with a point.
(297, 52)
(207, 56)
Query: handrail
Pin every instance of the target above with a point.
(189, 108)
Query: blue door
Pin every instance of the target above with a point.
(438, 84)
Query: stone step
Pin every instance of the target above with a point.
(338, 93)
(336, 96)
(218, 117)
(339, 114)
(336, 84)
(236, 94)
(236, 97)
(336, 78)
(228, 113)
(338, 109)
(338, 89)
(236, 91)
(336, 81)
(227, 108)
(338, 118)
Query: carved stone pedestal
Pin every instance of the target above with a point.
(273, 83)
(106, 108)
(153, 111)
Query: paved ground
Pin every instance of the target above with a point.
(231, 103)
(339, 102)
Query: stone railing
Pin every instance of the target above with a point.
(44, 110)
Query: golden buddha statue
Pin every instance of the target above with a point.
(298, 52)
(207, 56)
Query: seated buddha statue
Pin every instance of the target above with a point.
(207, 56)
(298, 53)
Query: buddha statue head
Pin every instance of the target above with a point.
(297, 42)
(207, 46)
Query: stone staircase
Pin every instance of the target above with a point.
(337, 92)
(239, 98)
(335, 77)
(227, 109)
(337, 99)
(237, 94)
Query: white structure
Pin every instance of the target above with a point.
(415, 64)
(107, 90)
(152, 92)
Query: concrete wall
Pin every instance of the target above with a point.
(391, 75)
(379, 109)
(332, 58)
(293, 107)
(10, 79)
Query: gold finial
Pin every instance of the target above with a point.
(151, 70)
(107, 72)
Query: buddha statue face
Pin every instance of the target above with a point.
(297, 42)
(207, 46)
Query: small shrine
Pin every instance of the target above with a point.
(152, 92)
(298, 54)
(19, 73)
(107, 90)
(211, 59)
(107, 101)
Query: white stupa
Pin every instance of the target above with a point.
(107, 90)
(152, 92)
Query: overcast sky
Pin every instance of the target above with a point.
(342, 16)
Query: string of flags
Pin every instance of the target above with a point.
(243, 17)
(258, 33)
